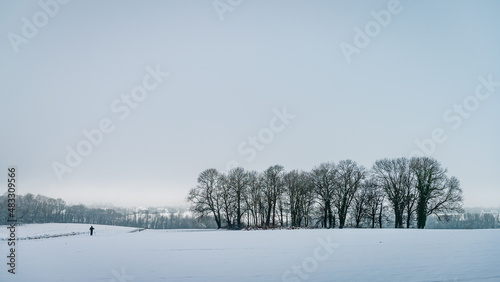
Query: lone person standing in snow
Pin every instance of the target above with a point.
(91, 230)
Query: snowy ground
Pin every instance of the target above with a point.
(116, 254)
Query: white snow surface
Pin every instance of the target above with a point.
(116, 254)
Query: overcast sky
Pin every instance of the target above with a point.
(313, 81)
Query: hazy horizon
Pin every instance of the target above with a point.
(177, 87)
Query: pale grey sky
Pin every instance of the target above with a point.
(358, 84)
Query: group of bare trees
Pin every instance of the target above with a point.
(417, 186)
(330, 194)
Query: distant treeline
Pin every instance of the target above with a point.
(42, 209)
(468, 220)
(402, 192)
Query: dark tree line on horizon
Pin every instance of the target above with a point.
(330, 194)
(468, 220)
(42, 209)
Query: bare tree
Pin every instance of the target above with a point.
(237, 181)
(307, 198)
(292, 188)
(205, 197)
(283, 208)
(360, 204)
(394, 176)
(448, 199)
(273, 188)
(436, 192)
(410, 198)
(299, 188)
(324, 180)
(254, 197)
(374, 201)
(348, 180)
(227, 199)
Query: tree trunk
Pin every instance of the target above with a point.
(268, 215)
(421, 214)
(274, 212)
(281, 217)
(330, 216)
(398, 213)
(380, 216)
(325, 217)
(341, 220)
(238, 216)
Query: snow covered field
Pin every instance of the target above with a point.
(117, 254)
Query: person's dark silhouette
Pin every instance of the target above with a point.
(91, 230)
